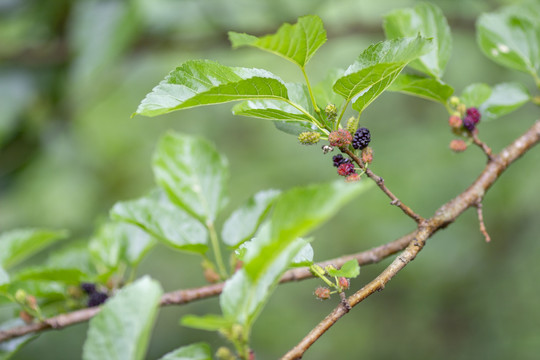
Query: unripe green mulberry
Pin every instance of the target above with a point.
(309, 137)
(331, 112)
(352, 124)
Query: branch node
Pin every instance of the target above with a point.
(395, 202)
(345, 302)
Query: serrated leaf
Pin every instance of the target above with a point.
(427, 20)
(304, 256)
(377, 67)
(204, 82)
(10, 347)
(350, 269)
(504, 98)
(279, 109)
(122, 328)
(209, 322)
(510, 40)
(475, 94)
(297, 212)
(243, 223)
(165, 221)
(296, 43)
(427, 88)
(243, 297)
(192, 173)
(66, 276)
(197, 351)
(18, 245)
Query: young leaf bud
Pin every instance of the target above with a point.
(352, 124)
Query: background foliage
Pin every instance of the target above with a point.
(72, 72)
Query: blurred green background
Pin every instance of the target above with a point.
(72, 72)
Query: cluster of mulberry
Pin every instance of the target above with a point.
(95, 297)
(361, 138)
(469, 120)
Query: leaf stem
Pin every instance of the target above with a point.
(336, 125)
(217, 251)
(315, 107)
(304, 111)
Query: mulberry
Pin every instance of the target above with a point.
(474, 114)
(97, 298)
(339, 159)
(469, 123)
(361, 139)
(346, 169)
(339, 138)
(88, 288)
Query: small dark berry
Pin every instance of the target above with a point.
(346, 169)
(88, 288)
(339, 159)
(468, 122)
(97, 298)
(361, 138)
(474, 113)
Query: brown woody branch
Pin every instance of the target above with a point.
(185, 296)
(445, 215)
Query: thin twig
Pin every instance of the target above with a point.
(482, 145)
(380, 183)
(483, 230)
(445, 215)
(180, 297)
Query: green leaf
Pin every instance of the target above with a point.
(243, 297)
(50, 290)
(297, 212)
(427, 88)
(243, 223)
(427, 20)
(204, 82)
(278, 109)
(296, 43)
(18, 245)
(504, 98)
(350, 269)
(304, 256)
(4, 276)
(73, 256)
(295, 127)
(67, 276)
(510, 40)
(475, 94)
(192, 173)
(167, 222)
(322, 91)
(209, 322)
(377, 67)
(122, 328)
(197, 351)
(10, 347)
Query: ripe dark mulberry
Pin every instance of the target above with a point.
(474, 114)
(97, 298)
(88, 288)
(339, 159)
(361, 138)
(468, 122)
